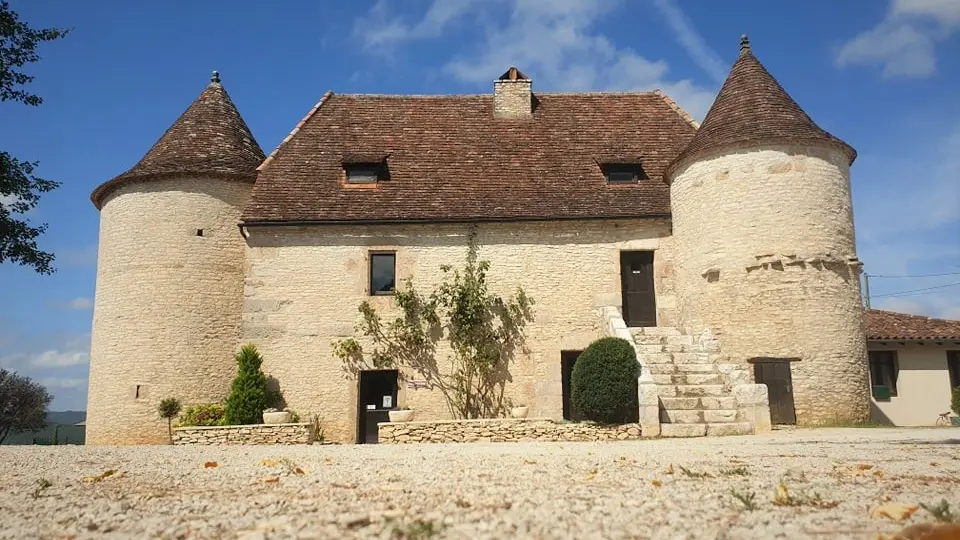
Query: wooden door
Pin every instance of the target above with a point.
(776, 375)
(567, 360)
(636, 282)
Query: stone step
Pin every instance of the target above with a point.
(720, 416)
(683, 430)
(691, 416)
(702, 403)
(698, 390)
(655, 358)
(656, 331)
(648, 348)
(691, 357)
(697, 368)
(659, 369)
(686, 378)
(720, 430)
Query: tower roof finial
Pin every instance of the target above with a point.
(215, 77)
(744, 45)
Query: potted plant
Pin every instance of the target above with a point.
(274, 416)
(519, 411)
(401, 414)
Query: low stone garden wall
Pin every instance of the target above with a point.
(250, 434)
(502, 430)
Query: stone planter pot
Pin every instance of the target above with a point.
(519, 412)
(280, 417)
(401, 416)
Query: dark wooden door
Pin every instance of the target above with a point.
(776, 375)
(636, 283)
(567, 361)
(377, 395)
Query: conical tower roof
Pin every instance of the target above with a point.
(752, 107)
(209, 139)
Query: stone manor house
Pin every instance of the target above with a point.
(725, 251)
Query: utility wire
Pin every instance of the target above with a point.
(909, 292)
(917, 275)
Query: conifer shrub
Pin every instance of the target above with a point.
(248, 394)
(955, 401)
(604, 382)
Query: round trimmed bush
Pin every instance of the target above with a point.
(604, 382)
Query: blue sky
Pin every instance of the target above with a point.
(882, 75)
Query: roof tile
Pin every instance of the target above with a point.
(889, 325)
(450, 159)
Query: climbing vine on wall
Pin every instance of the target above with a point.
(484, 332)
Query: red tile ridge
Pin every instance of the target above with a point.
(296, 129)
(677, 109)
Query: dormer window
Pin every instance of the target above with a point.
(623, 173)
(363, 173)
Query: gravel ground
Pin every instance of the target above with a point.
(668, 488)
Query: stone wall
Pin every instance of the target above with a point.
(502, 430)
(252, 434)
(766, 259)
(303, 286)
(166, 319)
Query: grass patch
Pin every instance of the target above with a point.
(783, 497)
(746, 498)
(42, 485)
(693, 474)
(941, 512)
(738, 471)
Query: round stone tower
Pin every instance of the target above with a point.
(763, 230)
(166, 321)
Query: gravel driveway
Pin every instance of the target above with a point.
(668, 488)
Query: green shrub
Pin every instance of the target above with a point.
(604, 382)
(205, 414)
(955, 401)
(248, 394)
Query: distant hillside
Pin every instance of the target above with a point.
(66, 417)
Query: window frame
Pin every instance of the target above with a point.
(634, 169)
(953, 368)
(370, 257)
(376, 170)
(877, 361)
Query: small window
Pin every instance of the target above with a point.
(884, 370)
(383, 273)
(953, 365)
(199, 232)
(363, 173)
(623, 173)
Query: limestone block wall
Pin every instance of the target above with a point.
(766, 259)
(166, 320)
(502, 430)
(252, 434)
(303, 286)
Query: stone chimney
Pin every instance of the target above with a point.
(512, 95)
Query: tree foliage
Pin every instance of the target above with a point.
(483, 331)
(169, 408)
(23, 404)
(603, 386)
(248, 394)
(20, 189)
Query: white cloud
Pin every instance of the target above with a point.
(54, 358)
(80, 303)
(554, 42)
(904, 43)
(690, 39)
(64, 382)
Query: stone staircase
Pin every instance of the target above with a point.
(693, 383)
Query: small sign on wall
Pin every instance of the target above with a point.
(417, 385)
(387, 402)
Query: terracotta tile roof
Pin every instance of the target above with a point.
(752, 107)
(210, 139)
(882, 325)
(449, 159)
